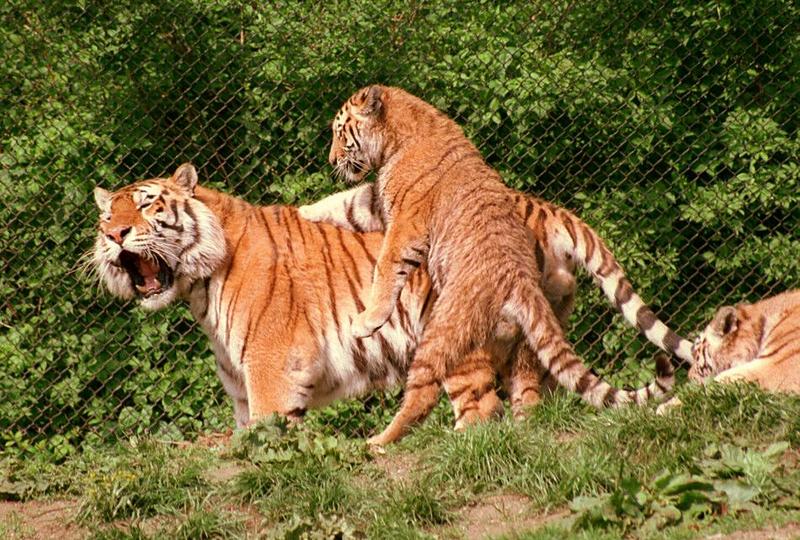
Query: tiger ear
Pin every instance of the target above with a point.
(725, 321)
(371, 100)
(186, 177)
(103, 198)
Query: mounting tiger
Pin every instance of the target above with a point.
(274, 292)
(447, 208)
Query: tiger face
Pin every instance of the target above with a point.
(357, 142)
(727, 341)
(154, 239)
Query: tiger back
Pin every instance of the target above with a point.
(561, 241)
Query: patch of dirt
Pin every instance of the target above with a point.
(566, 436)
(42, 520)
(789, 531)
(502, 514)
(791, 459)
(253, 520)
(211, 441)
(215, 440)
(226, 471)
(398, 467)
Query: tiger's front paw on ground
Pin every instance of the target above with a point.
(376, 444)
(364, 325)
(668, 406)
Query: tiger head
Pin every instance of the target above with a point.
(357, 134)
(728, 340)
(155, 239)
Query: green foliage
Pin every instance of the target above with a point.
(420, 504)
(273, 441)
(320, 528)
(299, 469)
(196, 525)
(553, 464)
(146, 478)
(712, 465)
(671, 128)
(729, 480)
(631, 506)
(204, 524)
(356, 418)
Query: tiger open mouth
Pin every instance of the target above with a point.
(149, 276)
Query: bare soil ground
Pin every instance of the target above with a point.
(41, 520)
(789, 531)
(502, 514)
(494, 516)
(397, 467)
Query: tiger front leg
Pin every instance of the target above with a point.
(278, 382)
(402, 251)
(358, 210)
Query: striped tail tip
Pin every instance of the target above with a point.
(661, 387)
(684, 352)
(665, 373)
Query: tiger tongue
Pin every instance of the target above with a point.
(149, 271)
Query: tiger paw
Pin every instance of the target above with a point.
(311, 212)
(665, 408)
(363, 326)
(375, 446)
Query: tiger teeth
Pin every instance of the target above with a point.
(148, 291)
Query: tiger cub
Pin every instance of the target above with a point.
(446, 207)
(753, 342)
(273, 293)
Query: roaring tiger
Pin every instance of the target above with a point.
(753, 342)
(444, 206)
(274, 293)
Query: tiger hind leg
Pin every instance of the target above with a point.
(471, 389)
(522, 379)
(450, 337)
(280, 381)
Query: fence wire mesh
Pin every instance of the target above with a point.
(671, 127)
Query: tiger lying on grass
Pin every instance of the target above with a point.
(274, 293)
(757, 342)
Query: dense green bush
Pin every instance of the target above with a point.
(670, 127)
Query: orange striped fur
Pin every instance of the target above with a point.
(274, 293)
(562, 241)
(444, 206)
(753, 342)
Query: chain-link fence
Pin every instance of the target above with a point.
(670, 127)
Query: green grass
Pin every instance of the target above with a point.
(13, 527)
(146, 478)
(703, 468)
(194, 525)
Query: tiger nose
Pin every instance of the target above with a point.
(332, 156)
(118, 234)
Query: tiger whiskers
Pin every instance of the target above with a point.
(155, 251)
(88, 269)
(84, 265)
